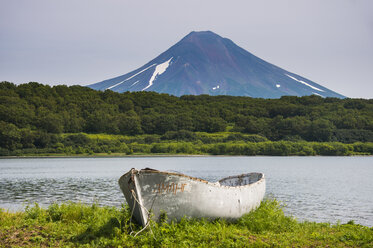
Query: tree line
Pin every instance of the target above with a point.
(31, 115)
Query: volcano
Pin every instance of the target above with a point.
(206, 63)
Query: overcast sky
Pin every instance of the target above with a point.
(81, 42)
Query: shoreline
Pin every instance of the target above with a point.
(110, 156)
(166, 155)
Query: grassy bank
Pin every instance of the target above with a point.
(77, 225)
(187, 143)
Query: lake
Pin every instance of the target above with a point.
(321, 189)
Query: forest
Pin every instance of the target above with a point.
(40, 119)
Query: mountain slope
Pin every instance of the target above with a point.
(206, 63)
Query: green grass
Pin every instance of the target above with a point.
(78, 225)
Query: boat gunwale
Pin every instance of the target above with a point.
(216, 184)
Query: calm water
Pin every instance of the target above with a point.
(322, 189)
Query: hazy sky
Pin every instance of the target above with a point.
(80, 42)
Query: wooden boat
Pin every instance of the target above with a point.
(151, 192)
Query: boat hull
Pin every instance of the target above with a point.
(179, 195)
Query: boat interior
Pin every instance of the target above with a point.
(241, 180)
(232, 181)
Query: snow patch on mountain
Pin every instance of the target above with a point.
(115, 85)
(134, 83)
(139, 72)
(300, 81)
(159, 69)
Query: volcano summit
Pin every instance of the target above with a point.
(206, 63)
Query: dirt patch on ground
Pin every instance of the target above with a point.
(25, 236)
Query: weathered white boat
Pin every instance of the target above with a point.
(179, 195)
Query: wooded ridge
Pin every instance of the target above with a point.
(35, 116)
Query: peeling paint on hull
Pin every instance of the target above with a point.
(180, 195)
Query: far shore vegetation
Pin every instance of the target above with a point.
(79, 225)
(40, 120)
(193, 144)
